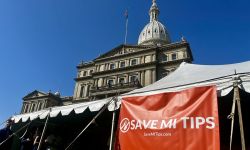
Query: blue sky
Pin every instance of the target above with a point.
(42, 41)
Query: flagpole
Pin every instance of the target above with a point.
(126, 28)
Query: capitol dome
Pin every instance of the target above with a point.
(154, 32)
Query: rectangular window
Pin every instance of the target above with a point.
(122, 64)
(174, 56)
(110, 82)
(133, 62)
(133, 78)
(164, 57)
(121, 80)
(84, 73)
(90, 72)
(82, 91)
(112, 66)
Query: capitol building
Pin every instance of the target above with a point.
(121, 69)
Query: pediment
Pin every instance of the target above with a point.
(35, 94)
(121, 50)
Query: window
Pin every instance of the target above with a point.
(174, 56)
(133, 78)
(82, 91)
(84, 73)
(110, 82)
(90, 72)
(164, 57)
(133, 62)
(112, 66)
(122, 64)
(121, 80)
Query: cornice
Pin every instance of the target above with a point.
(126, 55)
(125, 68)
(83, 78)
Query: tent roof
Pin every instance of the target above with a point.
(192, 75)
(186, 76)
(63, 110)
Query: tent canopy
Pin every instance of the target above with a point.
(63, 110)
(193, 75)
(186, 76)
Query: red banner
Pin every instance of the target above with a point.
(185, 120)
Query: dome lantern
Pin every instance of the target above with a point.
(154, 32)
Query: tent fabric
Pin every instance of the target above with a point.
(186, 76)
(193, 75)
(63, 110)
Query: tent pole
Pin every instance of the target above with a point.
(237, 98)
(113, 126)
(231, 116)
(44, 129)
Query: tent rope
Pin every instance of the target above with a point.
(97, 115)
(44, 129)
(15, 133)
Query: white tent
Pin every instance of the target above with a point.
(224, 77)
(193, 75)
(63, 110)
(186, 76)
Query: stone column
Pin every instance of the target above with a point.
(142, 60)
(139, 76)
(23, 108)
(153, 57)
(28, 107)
(153, 76)
(96, 82)
(104, 81)
(150, 76)
(142, 78)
